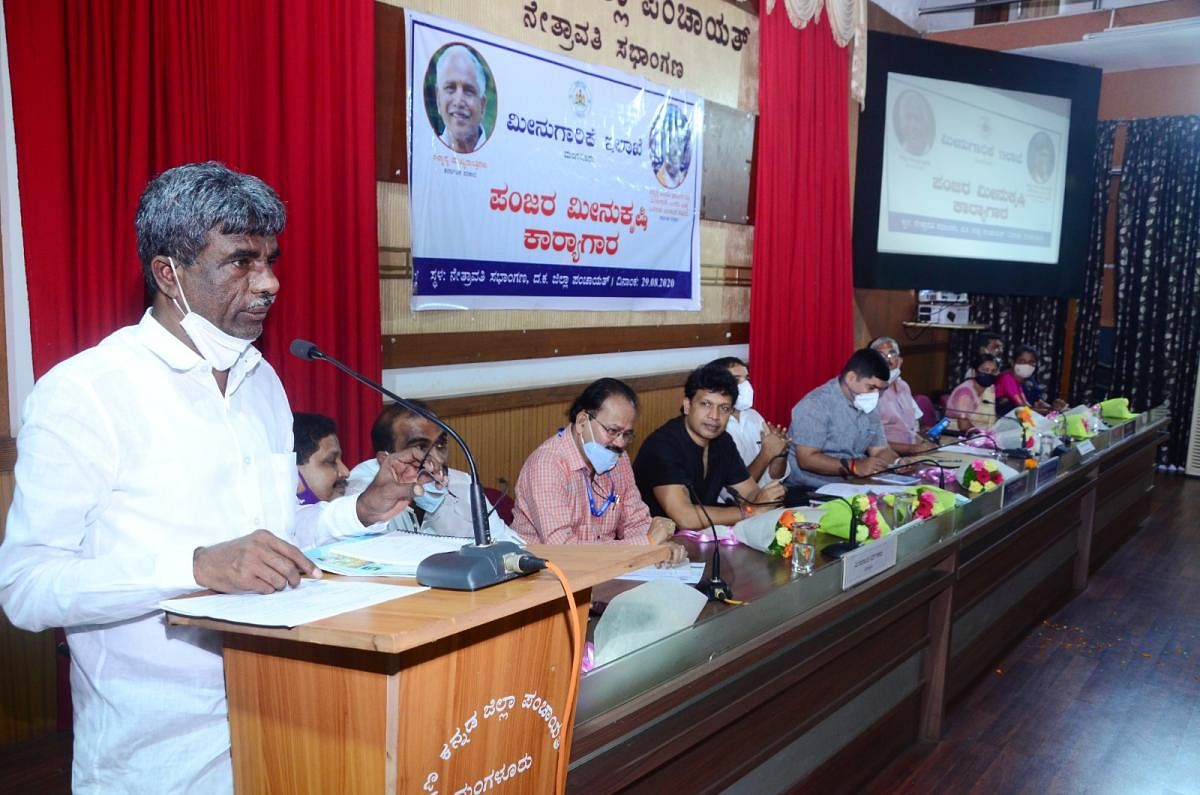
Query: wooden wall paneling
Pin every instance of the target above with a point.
(501, 439)
(391, 128)
(28, 697)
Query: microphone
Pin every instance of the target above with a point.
(716, 589)
(477, 565)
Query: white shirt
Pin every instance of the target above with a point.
(479, 142)
(746, 431)
(129, 459)
(453, 516)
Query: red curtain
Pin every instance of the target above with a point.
(108, 93)
(801, 317)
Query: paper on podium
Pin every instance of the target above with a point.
(399, 550)
(688, 573)
(310, 601)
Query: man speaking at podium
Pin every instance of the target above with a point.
(160, 462)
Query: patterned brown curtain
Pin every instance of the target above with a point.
(1158, 273)
(1037, 322)
(1087, 318)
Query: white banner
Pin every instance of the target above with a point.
(539, 182)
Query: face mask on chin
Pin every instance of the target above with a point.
(600, 457)
(893, 375)
(745, 398)
(306, 496)
(219, 349)
(431, 498)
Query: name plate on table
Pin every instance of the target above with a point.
(1047, 472)
(1085, 447)
(865, 562)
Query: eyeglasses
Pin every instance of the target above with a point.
(614, 432)
(891, 355)
(724, 409)
(441, 446)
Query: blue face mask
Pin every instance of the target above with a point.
(431, 498)
(600, 457)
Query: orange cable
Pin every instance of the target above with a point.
(560, 777)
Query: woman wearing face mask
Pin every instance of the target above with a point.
(973, 402)
(1021, 379)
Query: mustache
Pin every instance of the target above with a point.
(264, 302)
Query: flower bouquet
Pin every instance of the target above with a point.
(759, 531)
(1082, 422)
(869, 520)
(791, 529)
(923, 502)
(979, 476)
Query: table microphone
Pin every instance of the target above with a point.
(476, 565)
(716, 589)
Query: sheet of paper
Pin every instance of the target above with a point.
(398, 549)
(689, 574)
(965, 449)
(851, 489)
(352, 566)
(311, 601)
(894, 479)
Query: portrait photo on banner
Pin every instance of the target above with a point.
(541, 182)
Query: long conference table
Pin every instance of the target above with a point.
(804, 686)
(811, 688)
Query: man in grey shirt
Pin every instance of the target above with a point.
(836, 432)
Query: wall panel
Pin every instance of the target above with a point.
(28, 703)
(502, 439)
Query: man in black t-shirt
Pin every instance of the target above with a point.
(693, 455)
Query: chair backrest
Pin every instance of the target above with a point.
(504, 504)
(929, 414)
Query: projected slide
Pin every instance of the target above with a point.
(970, 171)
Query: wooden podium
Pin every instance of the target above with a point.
(439, 692)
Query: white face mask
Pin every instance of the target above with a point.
(745, 398)
(1023, 371)
(216, 347)
(893, 375)
(866, 402)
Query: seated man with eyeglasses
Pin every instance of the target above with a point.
(444, 509)
(688, 461)
(577, 487)
(836, 431)
(898, 410)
